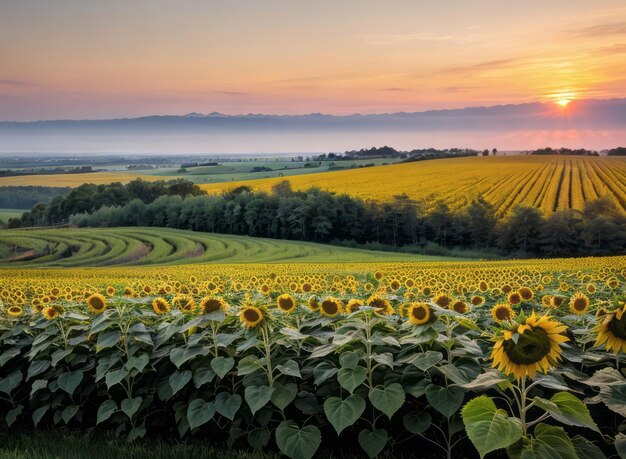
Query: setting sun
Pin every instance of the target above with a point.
(563, 102)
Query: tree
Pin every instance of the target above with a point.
(521, 231)
(559, 233)
(481, 220)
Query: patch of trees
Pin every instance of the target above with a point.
(619, 151)
(89, 198)
(389, 152)
(563, 151)
(25, 197)
(321, 216)
(44, 171)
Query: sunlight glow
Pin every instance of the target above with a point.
(563, 102)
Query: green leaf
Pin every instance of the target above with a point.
(179, 379)
(290, 368)
(69, 412)
(620, 445)
(70, 381)
(199, 412)
(202, 375)
(427, 360)
(568, 409)
(106, 409)
(258, 438)
(38, 384)
(585, 449)
(387, 399)
(137, 363)
(298, 443)
(445, 400)
(344, 413)
(108, 339)
(11, 382)
(227, 405)
(284, 394)
(323, 372)
(59, 355)
(373, 442)
(485, 381)
(222, 365)
(349, 359)
(548, 443)
(115, 377)
(130, 406)
(13, 414)
(248, 365)
(489, 428)
(39, 413)
(8, 355)
(351, 378)
(37, 367)
(417, 423)
(257, 397)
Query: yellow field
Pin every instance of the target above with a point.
(547, 182)
(73, 180)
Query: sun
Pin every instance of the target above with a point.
(563, 102)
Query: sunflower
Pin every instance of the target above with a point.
(579, 304)
(477, 300)
(129, 292)
(502, 312)
(612, 283)
(110, 290)
(514, 298)
(265, 289)
(459, 306)
(420, 314)
(442, 300)
(381, 305)
(210, 304)
(146, 289)
(546, 300)
(395, 285)
(591, 288)
(160, 306)
(526, 293)
(251, 316)
(97, 303)
(50, 312)
(354, 304)
(426, 291)
(331, 307)
(506, 289)
(556, 301)
(184, 303)
(378, 275)
(306, 287)
(286, 303)
(313, 304)
(483, 286)
(529, 347)
(611, 330)
(15, 311)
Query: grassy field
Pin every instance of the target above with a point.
(6, 214)
(74, 180)
(142, 246)
(546, 182)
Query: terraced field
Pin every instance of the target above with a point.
(549, 183)
(149, 246)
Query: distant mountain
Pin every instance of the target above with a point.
(522, 125)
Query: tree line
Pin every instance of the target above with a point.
(320, 216)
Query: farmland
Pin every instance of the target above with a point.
(147, 246)
(549, 183)
(307, 357)
(73, 180)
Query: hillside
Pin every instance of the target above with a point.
(150, 246)
(547, 182)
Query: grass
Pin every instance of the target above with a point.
(163, 246)
(547, 182)
(6, 214)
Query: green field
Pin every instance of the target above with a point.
(148, 246)
(6, 214)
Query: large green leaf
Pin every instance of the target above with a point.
(298, 443)
(344, 413)
(130, 406)
(222, 365)
(548, 442)
(446, 400)
(427, 360)
(11, 382)
(373, 442)
(349, 359)
(69, 381)
(417, 423)
(289, 368)
(351, 378)
(488, 427)
(179, 379)
(620, 445)
(387, 399)
(106, 409)
(257, 397)
(568, 409)
(227, 404)
(284, 394)
(199, 412)
(108, 339)
(115, 377)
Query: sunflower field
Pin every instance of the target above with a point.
(515, 358)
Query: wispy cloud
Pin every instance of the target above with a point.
(395, 39)
(392, 89)
(599, 30)
(17, 83)
(233, 93)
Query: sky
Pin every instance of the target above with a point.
(69, 59)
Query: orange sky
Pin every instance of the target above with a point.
(69, 59)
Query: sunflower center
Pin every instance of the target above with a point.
(503, 313)
(251, 315)
(285, 304)
(329, 307)
(618, 326)
(212, 305)
(97, 303)
(419, 313)
(531, 347)
(580, 304)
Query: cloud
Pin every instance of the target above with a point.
(233, 93)
(488, 65)
(393, 89)
(17, 83)
(455, 89)
(599, 30)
